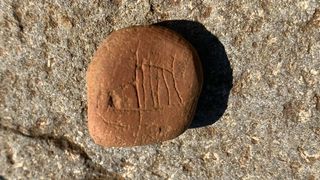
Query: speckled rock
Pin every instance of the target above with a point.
(258, 114)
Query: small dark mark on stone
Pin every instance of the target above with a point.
(116, 2)
(9, 155)
(110, 102)
(186, 168)
(254, 45)
(206, 12)
(52, 23)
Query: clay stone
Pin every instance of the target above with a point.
(143, 85)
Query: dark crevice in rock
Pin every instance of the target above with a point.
(9, 155)
(18, 17)
(93, 170)
(83, 110)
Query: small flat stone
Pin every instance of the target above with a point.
(143, 86)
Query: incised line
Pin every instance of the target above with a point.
(137, 109)
(151, 87)
(158, 67)
(136, 76)
(174, 81)
(166, 83)
(108, 123)
(139, 102)
(158, 86)
(122, 86)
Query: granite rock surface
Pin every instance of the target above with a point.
(258, 116)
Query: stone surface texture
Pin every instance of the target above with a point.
(270, 129)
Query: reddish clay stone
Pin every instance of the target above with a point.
(143, 86)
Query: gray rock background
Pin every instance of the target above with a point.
(270, 129)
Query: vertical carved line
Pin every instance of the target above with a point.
(174, 81)
(167, 86)
(158, 87)
(143, 86)
(151, 87)
(136, 76)
(137, 90)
